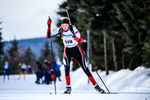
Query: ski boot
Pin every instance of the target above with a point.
(100, 90)
(68, 90)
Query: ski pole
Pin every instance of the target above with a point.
(52, 56)
(96, 71)
(67, 8)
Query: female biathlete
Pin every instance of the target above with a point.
(71, 49)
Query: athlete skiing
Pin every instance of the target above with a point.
(71, 37)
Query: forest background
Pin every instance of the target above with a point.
(119, 34)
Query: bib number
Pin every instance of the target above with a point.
(68, 41)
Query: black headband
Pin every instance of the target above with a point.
(65, 21)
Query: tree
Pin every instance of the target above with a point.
(123, 24)
(29, 57)
(14, 56)
(1, 44)
(101, 15)
(1, 49)
(45, 53)
(134, 16)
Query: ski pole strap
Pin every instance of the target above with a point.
(71, 29)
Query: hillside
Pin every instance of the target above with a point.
(36, 44)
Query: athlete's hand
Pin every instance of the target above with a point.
(76, 39)
(49, 22)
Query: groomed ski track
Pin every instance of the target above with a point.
(134, 88)
(75, 95)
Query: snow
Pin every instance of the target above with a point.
(132, 85)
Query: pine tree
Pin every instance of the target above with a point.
(14, 56)
(1, 45)
(124, 23)
(45, 53)
(101, 17)
(29, 57)
(144, 23)
(1, 49)
(134, 16)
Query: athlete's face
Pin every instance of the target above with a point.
(65, 26)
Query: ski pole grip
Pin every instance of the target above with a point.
(49, 18)
(49, 21)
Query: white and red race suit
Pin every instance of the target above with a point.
(72, 50)
(68, 39)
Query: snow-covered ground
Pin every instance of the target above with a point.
(133, 85)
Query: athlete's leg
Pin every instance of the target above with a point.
(67, 58)
(4, 74)
(81, 61)
(7, 73)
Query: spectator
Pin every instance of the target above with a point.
(29, 69)
(6, 69)
(46, 72)
(23, 70)
(56, 67)
(39, 73)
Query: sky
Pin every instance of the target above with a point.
(23, 19)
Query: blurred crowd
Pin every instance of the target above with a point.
(45, 74)
(50, 70)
